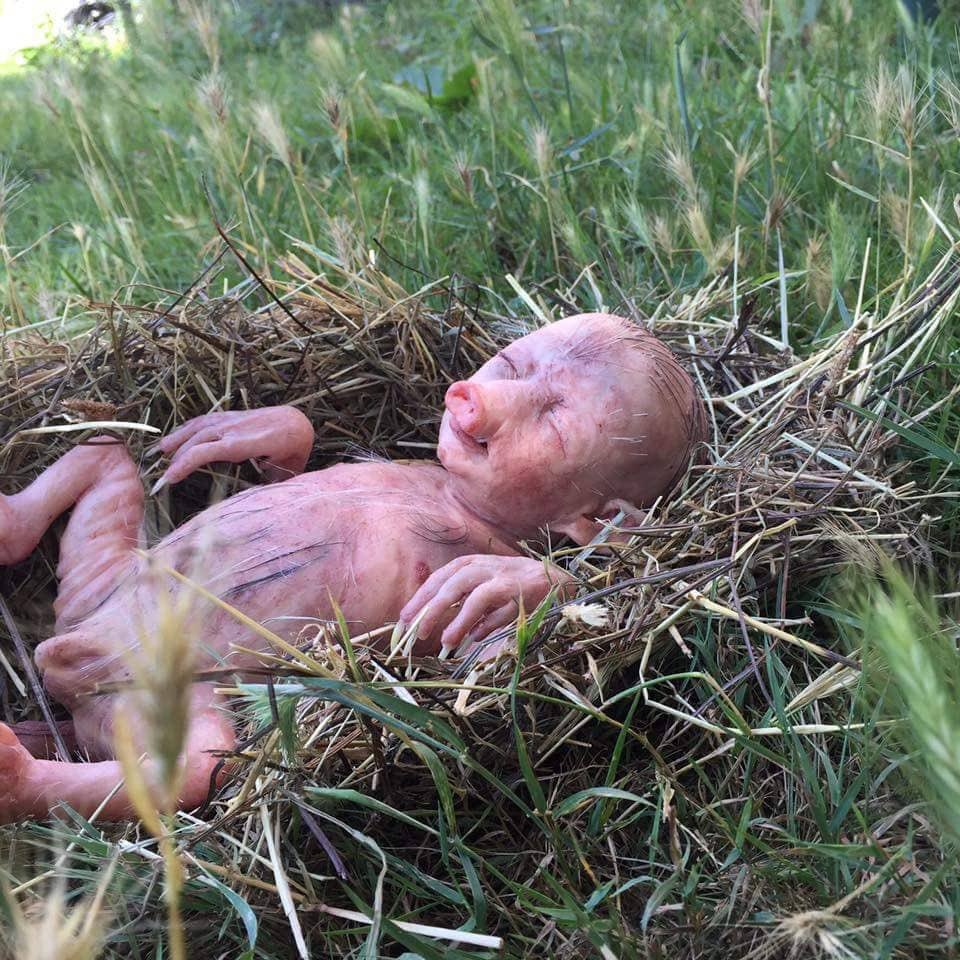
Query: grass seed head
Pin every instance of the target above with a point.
(918, 657)
(331, 59)
(541, 149)
(203, 19)
(12, 188)
(699, 226)
(212, 95)
(269, 127)
(163, 673)
(815, 932)
(744, 161)
(346, 243)
(949, 104)
(461, 164)
(817, 279)
(752, 11)
(879, 97)
(49, 929)
(676, 161)
(663, 231)
(907, 103)
(332, 104)
(896, 210)
(776, 210)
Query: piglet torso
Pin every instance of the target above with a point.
(363, 536)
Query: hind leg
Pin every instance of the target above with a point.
(37, 738)
(31, 788)
(100, 481)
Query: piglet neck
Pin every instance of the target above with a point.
(487, 523)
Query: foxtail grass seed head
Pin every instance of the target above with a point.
(422, 194)
(752, 11)
(12, 188)
(896, 211)
(676, 161)
(131, 240)
(919, 659)
(817, 280)
(464, 171)
(663, 231)
(99, 190)
(699, 226)
(907, 103)
(949, 104)
(776, 210)
(269, 127)
(861, 553)
(213, 97)
(163, 668)
(844, 243)
(639, 220)
(879, 102)
(203, 17)
(541, 150)
(332, 103)
(743, 162)
(346, 244)
(50, 929)
(330, 58)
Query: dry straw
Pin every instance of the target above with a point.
(791, 462)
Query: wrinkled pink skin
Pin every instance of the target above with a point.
(529, 444)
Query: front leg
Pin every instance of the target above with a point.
(278, 438)
(470, 597)
(101, 483)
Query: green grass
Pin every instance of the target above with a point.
(482, 139)
(608, 154)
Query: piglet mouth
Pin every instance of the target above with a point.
(471, 443)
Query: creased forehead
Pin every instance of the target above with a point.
(577, 336)
(602, 338)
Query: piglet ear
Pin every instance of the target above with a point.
(611, 525)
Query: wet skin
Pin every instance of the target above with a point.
(537, 442)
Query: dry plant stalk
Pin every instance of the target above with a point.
(787, 468)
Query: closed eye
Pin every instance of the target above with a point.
(550, 406)
(510, 364)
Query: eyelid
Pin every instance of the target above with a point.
(550, 404)
(510, 364)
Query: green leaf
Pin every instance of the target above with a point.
(346, 795)
(525, 631)
(246, 912)
(568, 806)
(919, 437)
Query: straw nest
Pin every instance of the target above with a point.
(796, 481)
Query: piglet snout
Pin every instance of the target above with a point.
(465, 403)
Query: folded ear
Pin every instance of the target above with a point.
(602, 528)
